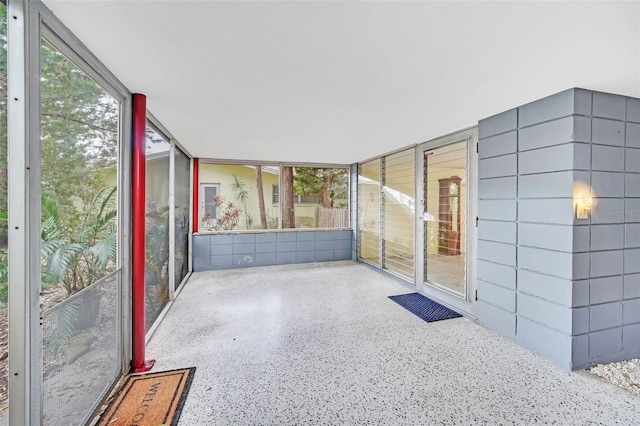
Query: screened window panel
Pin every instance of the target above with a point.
(157, 225)
(182, 199)
(321, 197)
(398, 216)
(369, 211)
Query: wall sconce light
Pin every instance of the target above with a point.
(583, 206)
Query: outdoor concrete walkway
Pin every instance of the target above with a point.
(322, 344)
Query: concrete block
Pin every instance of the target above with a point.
(220, 239)
(494, 146)
(219, 249)
(342, 254)
(305, 236)
(267, 237)
(546, 185)
(581, 293)
(552, 107)
(545, 160)
(343, 235)
(306, 246)
(504, 276)
(286, 237)
(496, 319)
(305, 256)
(201, 263)
(503, 232)
(632, 235)
(609, 106)
(631, 337)
(248, 248)
(243, 260)
(285, 246)
(580, 352)
(324, 255)
(504, 165)
(504, 254)
(606, 263)
(201, 246)
(581, 266)
(632, 261)
(608, 184)
(633, 110)
(608, 315)
(632, 210)
(555, 132)
(554, 211)
(325, 235)
(244, 238)
(553, 263)
(266, 247)
(632, 135)
(608, 210)
(607, 158)
(499, 123)
(607, 237)
(632, 185)
(546, 236)
(285, 258)
(497, 210)
(581, 238)
(497, 296)
(631, 311)
(631, 286)
(505, 187)
(608, 132)
(551, 344)
(324, 245)
(265, 259)
(224, 261)
(546, 287)
(342, 245)
(605, 290)
(550, 314)
(603, 344)
(580, 320)
(632, 159)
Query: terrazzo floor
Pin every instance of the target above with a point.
(322, 344)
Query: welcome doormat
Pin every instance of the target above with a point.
(150, 399)
(424, 307)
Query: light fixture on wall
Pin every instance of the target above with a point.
(583, 206)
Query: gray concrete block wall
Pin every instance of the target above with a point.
(224, 251)
(573, 291)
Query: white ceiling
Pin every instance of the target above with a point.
(340, 82)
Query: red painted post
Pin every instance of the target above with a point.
(138, 255)
(196, 186)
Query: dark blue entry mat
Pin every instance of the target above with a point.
(424, 307)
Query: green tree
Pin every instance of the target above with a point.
(332, 183)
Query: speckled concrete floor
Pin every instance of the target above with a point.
(322, 344)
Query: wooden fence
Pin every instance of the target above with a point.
(330, 218)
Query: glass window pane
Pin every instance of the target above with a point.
(4, 284)
(369, 211)
(399, 212)
(182, 185)
(445, 187)
(321, 197)
(236, 197)
(157, 225)
(79, 289)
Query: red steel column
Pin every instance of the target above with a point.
(196, 186)
(138, 256)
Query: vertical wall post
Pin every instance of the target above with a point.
(138, 256)
(196, 188)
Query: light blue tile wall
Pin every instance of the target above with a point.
(224, 251)
(572, 292)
